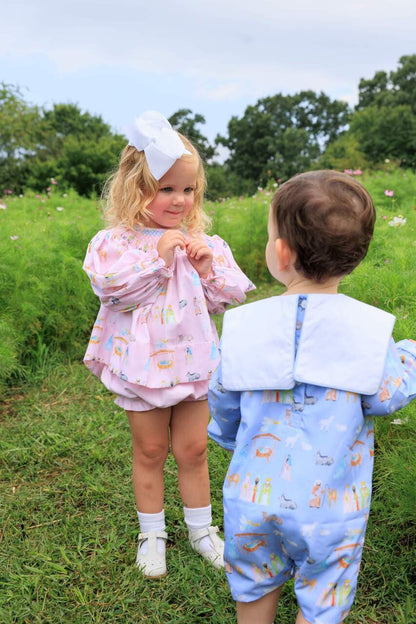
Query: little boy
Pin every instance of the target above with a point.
(301, 377)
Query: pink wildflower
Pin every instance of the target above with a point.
(357, 172)
(388, 193)
(349, 171)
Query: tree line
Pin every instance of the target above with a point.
(275, 138)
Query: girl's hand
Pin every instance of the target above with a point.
(200, 256)
(167, 243)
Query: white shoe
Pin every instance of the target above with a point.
(214, 555)
(153, 563)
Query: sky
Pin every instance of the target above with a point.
(118, 58)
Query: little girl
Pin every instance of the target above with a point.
(154, 345)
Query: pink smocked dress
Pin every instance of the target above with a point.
(153, 343)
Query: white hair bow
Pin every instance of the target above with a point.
(153, 134)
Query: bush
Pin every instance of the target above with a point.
(343, 153)
(47, 305)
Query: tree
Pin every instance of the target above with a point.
(282, 135)
(393, 89)
(385, 119)
(404, 81)
(85, 165)
(372, 91)
(386, 132)
(67, 119)
(184, 123)
(19, 132)
(76, 148)
(222, 183)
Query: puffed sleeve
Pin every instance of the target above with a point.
(224, 406)
(398, 385)
(123, 275)
(226, 284)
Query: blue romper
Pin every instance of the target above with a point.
(300, 379)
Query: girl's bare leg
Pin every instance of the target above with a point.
(150, 436)
(188, 429)
(261, 611)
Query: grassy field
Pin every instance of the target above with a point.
(68, 526)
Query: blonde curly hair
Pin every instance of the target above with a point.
(131, 188)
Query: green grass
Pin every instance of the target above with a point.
(68, 526)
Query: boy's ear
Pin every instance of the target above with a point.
(283, 253)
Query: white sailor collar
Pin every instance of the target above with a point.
(343, 344)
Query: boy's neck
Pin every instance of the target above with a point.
(304, 286)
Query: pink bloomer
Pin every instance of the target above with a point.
(135, 398)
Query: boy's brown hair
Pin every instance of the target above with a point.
(327, 218)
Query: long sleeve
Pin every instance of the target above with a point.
(227, 284)
(224, 407)
(123, 274)
(398, 385)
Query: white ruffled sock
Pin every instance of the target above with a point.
(152, 522)
(199, 518)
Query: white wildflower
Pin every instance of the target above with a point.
(398, 221)
(3, 206)
(399, 421)
(59, 208)
(14, 237)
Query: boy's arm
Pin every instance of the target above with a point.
(224, 407)
(398, 384)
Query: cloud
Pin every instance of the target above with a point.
(217, 39)
(215, 57)
(229, 91)
(350, 98)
